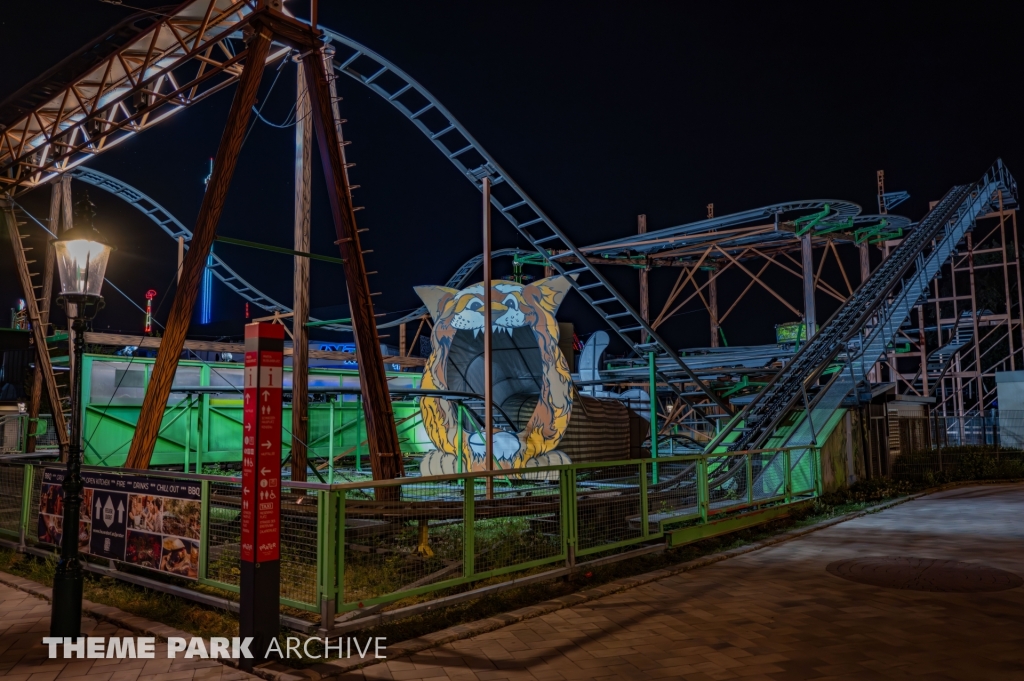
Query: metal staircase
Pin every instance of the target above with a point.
(37, 305)
(861, 330)
(941, 358)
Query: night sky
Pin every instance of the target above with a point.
(600, 111)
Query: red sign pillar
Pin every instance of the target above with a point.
(259, 614)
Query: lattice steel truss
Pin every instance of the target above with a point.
(142, 71)
(970, 327)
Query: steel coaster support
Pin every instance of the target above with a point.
(870, 319)
(9, 216)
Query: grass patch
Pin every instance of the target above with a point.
(955, 464)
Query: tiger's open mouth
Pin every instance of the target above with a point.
(516, 368)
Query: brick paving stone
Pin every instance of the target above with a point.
(777, 614)
(25, 619)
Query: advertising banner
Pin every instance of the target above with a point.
(149, 522)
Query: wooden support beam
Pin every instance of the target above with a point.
(300, 284)
(750, 285)
(684, 278)
(381, 433)
(756, 278)
(155, 401)
(38, 327)
(36, 392)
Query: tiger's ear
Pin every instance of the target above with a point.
(553, 290)
(435, 297)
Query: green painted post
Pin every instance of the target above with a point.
(326, 553)
(188, 431)
(330, 444)
(571, 524)
(204, 528)
(359, 432)
(203, 420)
(26, 502)
(750, 479)
(563, 510)
(339, 560)
(361, 417)
(789, 476)
(654, 415)
(645, 511)
(702, 487)
(468, 529)
(458, 437)
(816, 462)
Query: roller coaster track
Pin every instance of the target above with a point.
(147, 69)
(453, 140)
(174, 228)
(860, 332)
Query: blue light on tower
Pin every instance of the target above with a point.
(206, 294)
(206, 297)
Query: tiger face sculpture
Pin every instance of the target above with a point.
(532, 386)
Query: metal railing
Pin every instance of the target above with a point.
(15, 429)
(345, 554)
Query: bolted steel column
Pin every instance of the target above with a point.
(807, 260)
(488, 385)
(300, 281)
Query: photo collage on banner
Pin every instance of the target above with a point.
(149, 522)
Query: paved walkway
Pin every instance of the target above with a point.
(777, 614)
(25, 619)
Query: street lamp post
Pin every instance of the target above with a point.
(81, 262)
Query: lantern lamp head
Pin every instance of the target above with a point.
(82, 257)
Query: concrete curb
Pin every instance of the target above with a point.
(275, 671)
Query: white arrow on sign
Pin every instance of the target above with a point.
(108, 513)
(120, 511)
(264, 471)
(99, 508)
(247, 398)
(267, 444)
(266, 394)
(248, 427)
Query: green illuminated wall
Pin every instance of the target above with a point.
(209, 426)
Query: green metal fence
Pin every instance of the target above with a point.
(344, 550)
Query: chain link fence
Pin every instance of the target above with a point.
(352, 548)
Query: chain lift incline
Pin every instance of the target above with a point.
(860, 332)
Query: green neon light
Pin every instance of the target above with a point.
(277, 249)
(809, 222)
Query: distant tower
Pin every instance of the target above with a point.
(206, 294)
(150, 295)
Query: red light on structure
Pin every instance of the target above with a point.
(150, 295)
